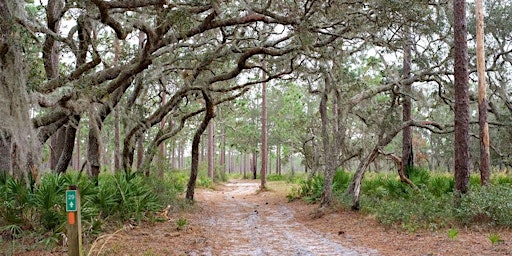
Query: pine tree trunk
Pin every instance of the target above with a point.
(254, 165)
(211, 150)
(482, 98)
(407, 148)
(264, 146)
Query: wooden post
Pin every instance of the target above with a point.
(74, 221)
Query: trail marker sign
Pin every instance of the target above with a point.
(71, 201)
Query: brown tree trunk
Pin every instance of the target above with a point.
(140, 151)
(117, 128)
(482, 98)
(57, 145)
(407, 148)
(162, 159)
(68, 145)
(254, 165)
(93, 149)
(209, 115)
(278, 160)
(245, 165)
(182, 155)
(330, 143)
(264, 146)
(222, 157)
(211, 150)
(461, 140)
(354, 188)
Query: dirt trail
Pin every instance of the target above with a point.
(246, 223)
(233, 219)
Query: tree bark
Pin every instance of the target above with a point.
(482, 97)
(222, 157)
(254, 165)
(211, 150)
(354, 188)
(117, 128)
(278, 159)
(5, 154)
(461, 140)
(93, 149)
(68, 145)
(264, 146)
(407, 147)
(209, 115)
(17, 131)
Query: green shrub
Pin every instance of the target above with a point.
(486, 205)
(276, 177)
(474, 180)
(341, 181)
(441, 185)
(310, 190)
(204, 181)
(419, 176)
(502, 179)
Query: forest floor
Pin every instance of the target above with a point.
(237, 219)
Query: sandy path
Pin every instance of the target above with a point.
(242, 222)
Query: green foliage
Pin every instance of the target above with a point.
(341, 180)
(495, 238)
(276, 177)
(181, 223)
(311, 190)
(502, 179)
(116, 199)
(419, 176)
(384, 187)
(490, 204)
(204, 181)
(220, 175)
(429, 206)
(423, 210)
(452, 233)
(441, 185)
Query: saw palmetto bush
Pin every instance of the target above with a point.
(39, 211)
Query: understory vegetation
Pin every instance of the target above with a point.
(35, 216)
(428, 206)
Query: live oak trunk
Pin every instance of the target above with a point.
(194, 168)
(117, 128)
(20, 148)
(69, 143)
(461, 140)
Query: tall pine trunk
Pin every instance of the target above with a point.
(264, 146)
(407, 147)
(211, 150)
(482, 97)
